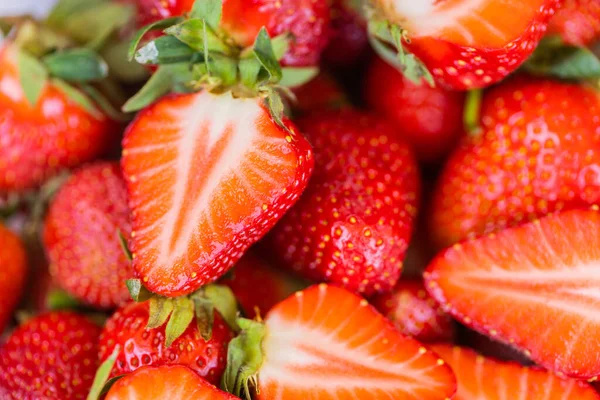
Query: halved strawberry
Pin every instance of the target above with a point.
(534, 286)
(469, 43)
(328, 343)
(577, 22)
(174, 382)
(207, 176)
(485, 378)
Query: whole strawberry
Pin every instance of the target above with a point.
(577, 22)
(428, 118)
(353, 223)
(140, 346)
(51, 357)
(13, 271)
(463, 44)
(81, 235)
(536, 154)
(43, 136)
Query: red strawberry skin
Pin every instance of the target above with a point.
(428, 118)
(81, 236)
(306, 20)
(577, 22)
(536, 155)
(353, 223)
(140, 347)
(39, 141)
(52, 356)
(13, 271)
(349, 41)
(190, 227)
(415, 313)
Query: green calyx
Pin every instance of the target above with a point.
(196, 54)
(179, 312)
(244, 359)
(102, 384)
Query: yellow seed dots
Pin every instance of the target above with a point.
(364, 303)
(422, 350)
(288, 139)
(440, 362)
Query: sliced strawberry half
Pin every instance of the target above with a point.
(328, 343)
(535, 287)
(207, 176)
(470, 43)
(485, 378)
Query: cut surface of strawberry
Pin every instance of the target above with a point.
(327, 343)
(534, 287)
(479, 377)
(207, 176)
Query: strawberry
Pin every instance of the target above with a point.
(415, 313)
(13, 271)
(52, 356)
(530, 286)
(42, 138)
(305, 20)
(577, 22)
(81, 236)
(429, 118)
(258, 286)
(535, 155)
(349, 40)
(353, 223)
(207, 176)
(326, 342)
(320, 93)
(174, 382)
(485, 378)
(463, 44)
(139, 345)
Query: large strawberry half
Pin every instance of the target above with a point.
(327, 343)
(464, 43)
(534, 286)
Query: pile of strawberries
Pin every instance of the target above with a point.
(300, 199)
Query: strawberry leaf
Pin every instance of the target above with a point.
(249, 69)
(158, 25)
(204, 312)
(191, 32)
(297, 76)
(276, 107)
(137, 291)
(281, 45)
(471, 116)
(158, 85)
(159, 311)
(164, 50)
(60, 300)
(263, 50)
(67, 8)
(101, 378)
(209, 11)
(181, 317)
(224, 301)
(33, 76)
(77, 97)
(76, 65)
(124, 246)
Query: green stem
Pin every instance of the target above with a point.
(471, 116)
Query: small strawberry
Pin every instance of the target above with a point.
(141, 345)
(173, 382)
(46, 130)
(13, 271)
(577, 22)
(353, 223)
(463, 44)
(485, 378)
(50, 357)
(327, 343)
(258, 286)
(349, 40)
(307, 21)
(415, 313)
(428, 118)
(536, 154)
(533, 286)
(320, 93)
(81, 236)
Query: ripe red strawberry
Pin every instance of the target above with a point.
(140, 346)
(349, 41)
(328, 343)
(39, 141)
(415, 313)
(577, 22)
(428, 118)
(306, 20)
(485, 378)
(81, 236)
(258, 286)
(353, 223)
(207, 175)
(52, 356)
(531, 286)
(321, 93)
(468, 44)
(13, 270)
(173, 382)
(536, 155)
